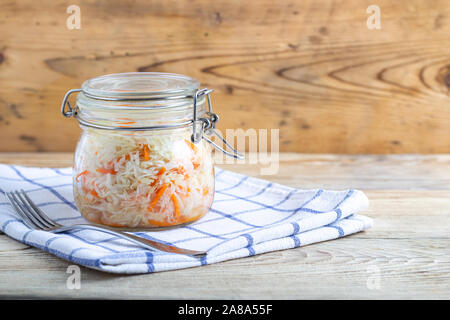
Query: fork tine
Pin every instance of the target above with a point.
(29, 211)
(18, 200)
(22, 208)
(38, 211)
(20, 211)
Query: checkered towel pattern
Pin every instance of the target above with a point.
(249, 216)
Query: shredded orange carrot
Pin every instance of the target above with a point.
(176, 207)
(180, 219)
(154, 182)
(94, 193)
(179, 170)
(111, 224)
(157, 197)
(117, 160)
(188, 189)
(81, 174)
(164, 223)
(205, 192)
(195, 149)
(131, 122)
(191, 145)
(146, 152)
(106, 171)
(160, 172)
(190, 219)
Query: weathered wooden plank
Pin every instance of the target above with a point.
(310, 68)
(403, 268)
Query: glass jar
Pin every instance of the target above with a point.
(143, 159)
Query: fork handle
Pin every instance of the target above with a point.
(142, 242)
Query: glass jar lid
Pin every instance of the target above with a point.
(140, 86)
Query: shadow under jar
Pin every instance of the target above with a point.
(143, 159)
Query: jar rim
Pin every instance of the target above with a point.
(103, 99)
(140, 86)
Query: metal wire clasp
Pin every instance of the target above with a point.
(65, 102)
(208, 126)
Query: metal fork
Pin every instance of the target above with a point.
(36, 219)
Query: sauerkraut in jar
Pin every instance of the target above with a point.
(142, 160)
(143, 180)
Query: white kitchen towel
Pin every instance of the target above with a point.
(249, 216)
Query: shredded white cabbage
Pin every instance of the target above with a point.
(138, 179)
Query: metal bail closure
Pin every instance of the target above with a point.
(234, 153)
(65, 102)
(208, 124)
(196, 129)
(200, 126)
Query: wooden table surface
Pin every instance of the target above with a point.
(406, 255)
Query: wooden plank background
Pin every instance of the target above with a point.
(308, 67)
